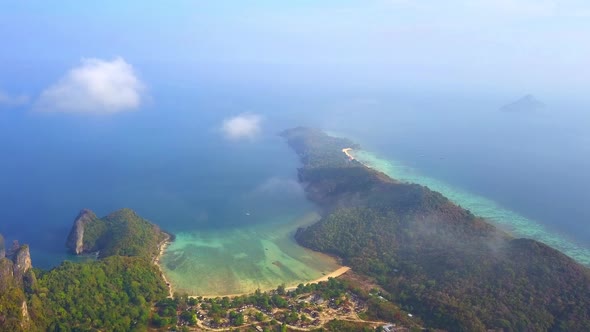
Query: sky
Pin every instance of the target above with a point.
(506, 46)
(141, 75)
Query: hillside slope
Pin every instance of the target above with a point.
(452, 268)
(113, 293)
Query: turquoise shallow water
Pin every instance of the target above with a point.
(242, 259)
(515, 223)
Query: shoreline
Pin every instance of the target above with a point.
(351, 157)
(332, 267)
(516, 225)
(335, 274)
(165, 243)
(348, 154)
(161, 248)
(340, 271)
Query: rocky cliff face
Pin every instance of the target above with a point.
(21, 259)
(75, 241)
(26, 319)
(16, 275)
(16, 266)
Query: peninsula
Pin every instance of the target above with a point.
(413, 260)
(455, 270)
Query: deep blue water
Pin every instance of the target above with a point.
(170, 162)
(535, 164)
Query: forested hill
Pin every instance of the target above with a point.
(453, 269)
(113, 293)
(122, 232)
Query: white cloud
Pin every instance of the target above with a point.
(243, 126)
(11, 101)
(95, 86)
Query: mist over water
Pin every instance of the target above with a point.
(525, 171)
(518, 225)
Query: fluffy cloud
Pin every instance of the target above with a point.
(244, 126)
(11, 101)
(95, 86)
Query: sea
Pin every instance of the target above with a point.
(234, 205)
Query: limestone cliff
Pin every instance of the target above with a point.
(21, 259)
(16, 267)
(16, 275)
(122, 232)
(26, 319)
(75, 241)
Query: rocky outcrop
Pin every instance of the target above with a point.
(75, 241)
(25, 319)
(122, 233)
(16, 278)
(17, 266)
(16, 274)
(21, 260)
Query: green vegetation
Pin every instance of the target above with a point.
(345, 326)
(12, 297)
(113, 294)
(307, 306)
(166, 313)
(123, 233)
(436, 259)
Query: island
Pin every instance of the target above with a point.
(451, 268)
(118, 286)
(527, 103)
(114, 290)
(414, 261)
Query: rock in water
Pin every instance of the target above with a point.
(122, 232)
(525, 104)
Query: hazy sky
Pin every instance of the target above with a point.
(538, 46)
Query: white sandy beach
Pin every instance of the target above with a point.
(157, 259)
(347, 153)
(334, 274)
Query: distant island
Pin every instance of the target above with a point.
(526, 103)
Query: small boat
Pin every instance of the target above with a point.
(247, 213)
